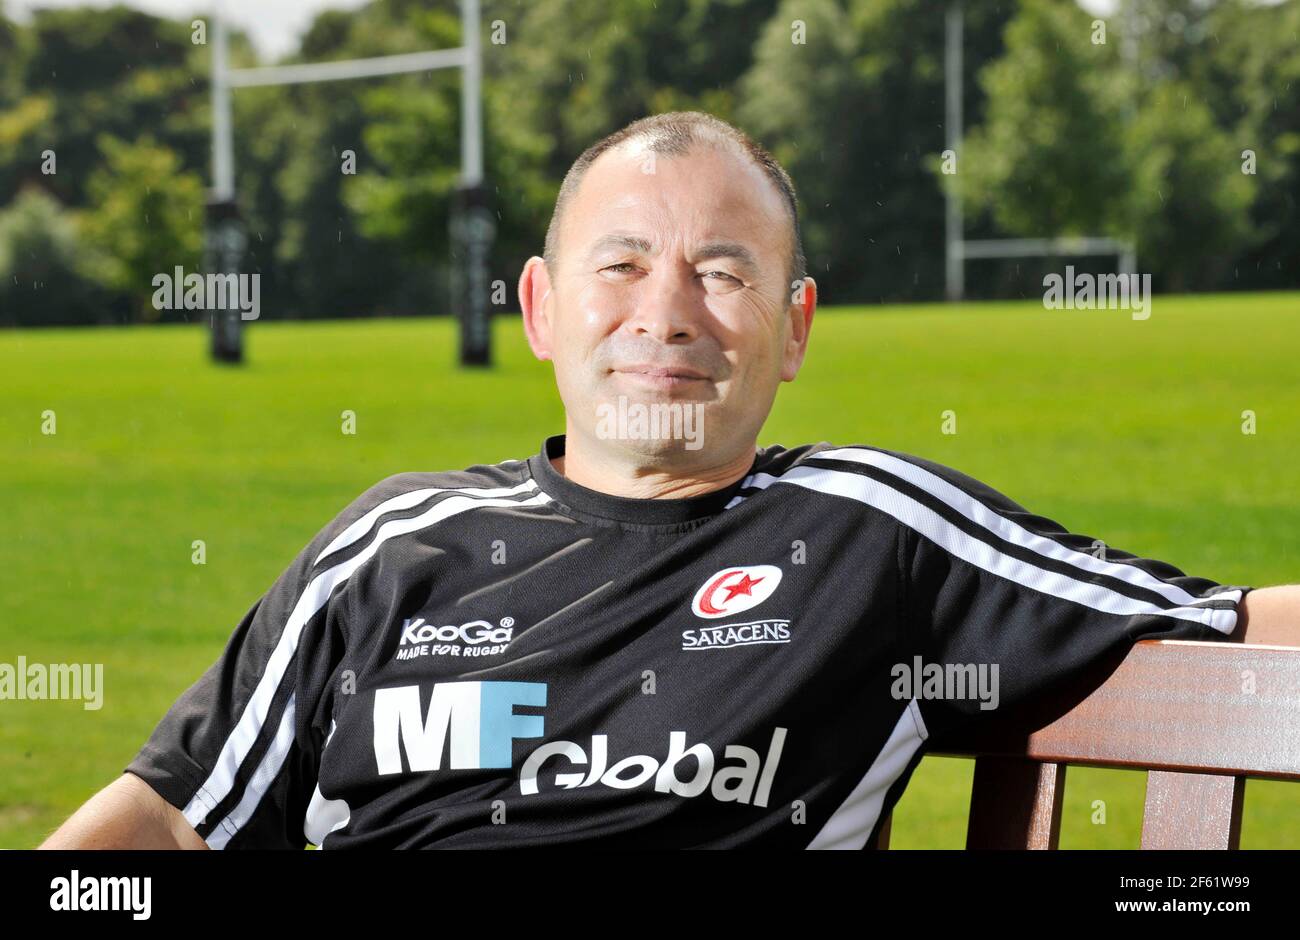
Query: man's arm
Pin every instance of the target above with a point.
(126, 814)
(1270, 617)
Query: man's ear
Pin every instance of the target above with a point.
(803, 304)
(534, 294)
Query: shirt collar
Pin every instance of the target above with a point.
(629, 509)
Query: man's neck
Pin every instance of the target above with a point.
(597, 471)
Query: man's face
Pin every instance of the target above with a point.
(671, 289)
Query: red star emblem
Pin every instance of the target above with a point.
(741, 587)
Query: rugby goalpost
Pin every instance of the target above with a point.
(957, 249)
(472, 225)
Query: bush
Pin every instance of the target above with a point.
(45, 268)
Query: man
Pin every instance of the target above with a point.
(651, 633)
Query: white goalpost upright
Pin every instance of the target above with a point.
(958, 250)
(473, 226)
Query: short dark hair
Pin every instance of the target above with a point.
(675, 134)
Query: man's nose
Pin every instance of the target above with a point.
(667, 307)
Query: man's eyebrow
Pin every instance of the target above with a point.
(706, 252)
(725, 249)
(616, 241)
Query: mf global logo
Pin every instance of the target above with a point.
(473, 725)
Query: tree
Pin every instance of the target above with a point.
(46, 278)
(115, 71)
(854, 111)
(10, 60)
(1049, 158)
(1076, 143)
(1190, 202)
(1253, 68)
(146, 217)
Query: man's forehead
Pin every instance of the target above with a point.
(712, 186)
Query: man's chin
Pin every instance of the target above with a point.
(665, 430)
(668, 452)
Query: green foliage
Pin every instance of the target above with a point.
(79, 53)
(1076, 141)
(146, 217)
(46, 276)
(10, 37)
(22, 128)
(117, 72)
(335, 243)
(1191, 202)
(787, 97)
(1049, 158)
(1254, 62)
(854, 112)
(574, 71)
(412, 133)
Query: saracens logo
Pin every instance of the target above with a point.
(734, 590)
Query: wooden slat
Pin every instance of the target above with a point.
(1201, 717)
(1192, 811)
(1167, 705)
(882, 840)
(1015, 804)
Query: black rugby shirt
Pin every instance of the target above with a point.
(501, 657)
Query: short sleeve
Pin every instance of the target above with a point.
(1008, 604)
(238, 753)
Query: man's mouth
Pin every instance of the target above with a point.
(661, 376)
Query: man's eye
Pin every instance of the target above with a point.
(723, 274)
(625, 265)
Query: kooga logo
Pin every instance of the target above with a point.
(474, 724)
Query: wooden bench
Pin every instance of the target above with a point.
(1178, 709)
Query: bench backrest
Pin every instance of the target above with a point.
(1199, 717)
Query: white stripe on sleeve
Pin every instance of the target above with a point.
(985, 555)
(222, 778)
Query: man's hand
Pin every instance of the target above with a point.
(126, 814)
(1270, 617)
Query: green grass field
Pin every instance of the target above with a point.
(1129, 431)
